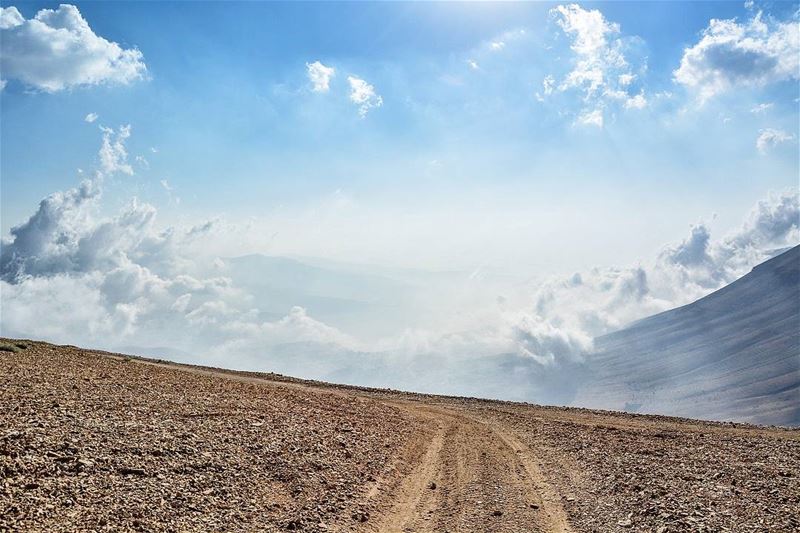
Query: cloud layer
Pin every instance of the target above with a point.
(57, 50)
(68, 275)
(568, 313)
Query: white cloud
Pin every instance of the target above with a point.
(10, 17)
(769, 138)
(568, 312)
(760, 108)
(170, 192)
(732, 54)
(473, 64)
(113, 154)
(51, 240)
(320, 76)
(592, 118)
(589, 29)
(363, 95)
(596, 54)
(113, 278)
(600, 70)
(500, 42)
(3, 84)
(91, 117)
(57, 50)
(636, 102)
(548, 84)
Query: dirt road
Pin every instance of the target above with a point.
(473, 474)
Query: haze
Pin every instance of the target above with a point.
(449, 197)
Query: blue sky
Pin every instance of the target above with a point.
(458, 181)
(227, 104)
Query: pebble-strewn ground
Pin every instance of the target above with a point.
(620, 472)
(89, 442)
(98, 442)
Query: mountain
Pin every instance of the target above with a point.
(353, 301)
(732, 355)
(367, 302)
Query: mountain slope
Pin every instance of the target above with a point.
(93, 441)
(732, 355)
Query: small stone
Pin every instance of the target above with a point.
(432, 485)
(497, 512)
(125, 470)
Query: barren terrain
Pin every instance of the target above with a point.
(91, 441)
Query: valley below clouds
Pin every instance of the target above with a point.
(125, 282)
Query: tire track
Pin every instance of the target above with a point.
(474, 476)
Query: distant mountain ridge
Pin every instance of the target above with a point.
(732, 355)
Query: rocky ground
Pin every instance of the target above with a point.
(91, 441)
(622, 472)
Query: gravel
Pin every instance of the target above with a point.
(90, 442)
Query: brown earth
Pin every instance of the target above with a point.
(92, 441)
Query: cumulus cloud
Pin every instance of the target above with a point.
(363, 95)
(57, 50)
(497, 45)
(600, 69)
(769, 138)
(10, 17)
(320, 76)
(113, 155)
(91, 117)
(114, 280)
(731, 54)
(569, 312)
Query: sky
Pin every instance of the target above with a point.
(463, 169)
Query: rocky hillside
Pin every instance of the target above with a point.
(733, 355)
(92, 441)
